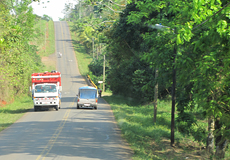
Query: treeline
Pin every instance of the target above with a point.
(18, 57)
(150, 43)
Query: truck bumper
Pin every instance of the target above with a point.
(39, 103)
(87, 105)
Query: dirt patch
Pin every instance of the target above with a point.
(50, 61)
(179, 151)
(2, 103)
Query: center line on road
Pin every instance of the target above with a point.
(56, 134)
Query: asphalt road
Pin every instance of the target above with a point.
(70, 133)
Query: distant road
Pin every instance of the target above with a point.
(70, 133)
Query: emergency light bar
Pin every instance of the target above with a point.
(46, 76)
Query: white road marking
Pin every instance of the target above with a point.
(107, 137)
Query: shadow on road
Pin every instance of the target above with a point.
(80, 135)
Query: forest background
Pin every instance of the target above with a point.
(154, 50)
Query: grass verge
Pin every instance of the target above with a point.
(46, 45)
(46, 38)
(12, 112)
(148, 140)
(83, 59)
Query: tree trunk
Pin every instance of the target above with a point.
(155, 97)
(173, 98)
(220, 149)
(210, 138)
(221, 141)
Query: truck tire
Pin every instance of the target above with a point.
(59, 104)
(56, 107)
(95, 107)
(78, 106)
(35, 108)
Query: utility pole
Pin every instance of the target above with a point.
(97, 52)
(93, 46)
(80, 10)
(159, 26)
(41, 25)
(45, 38)
(100, 49)
(104, 75)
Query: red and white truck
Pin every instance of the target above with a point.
(46, 90)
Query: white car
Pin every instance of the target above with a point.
(87, 97)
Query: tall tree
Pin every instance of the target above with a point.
(199, 57)
(17, 56)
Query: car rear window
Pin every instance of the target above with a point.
(88, 93)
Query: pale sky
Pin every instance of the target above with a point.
(53, 8)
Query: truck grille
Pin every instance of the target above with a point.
(47, 97)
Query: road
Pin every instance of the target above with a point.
(69, 133)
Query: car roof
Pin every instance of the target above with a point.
(88, 87)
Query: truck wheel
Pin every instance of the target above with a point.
(78, 106)
(95, 107)
(57, 107)
(35, 108)
(59, 104)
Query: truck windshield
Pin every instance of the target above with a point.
(45, 88)
(88, 94)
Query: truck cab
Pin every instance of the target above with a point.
(46, 90)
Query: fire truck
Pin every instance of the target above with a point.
(46, 90)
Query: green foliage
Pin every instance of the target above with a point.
(17, 57)
(46, 18)
(185, 121)
(194, 33)
(96, 71)
(151, 141)
(12, 112)
(201, 46)
(187, 124)
(96, 66)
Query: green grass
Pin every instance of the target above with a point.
(12, 112)
(48, 68)
(149, 140)
(83, 59)
(46, 38)
(50, 38)
(48, 48)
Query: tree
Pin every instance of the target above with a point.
(46, 18)
(17, 57)
(199, 57)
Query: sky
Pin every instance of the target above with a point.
(53, 8)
